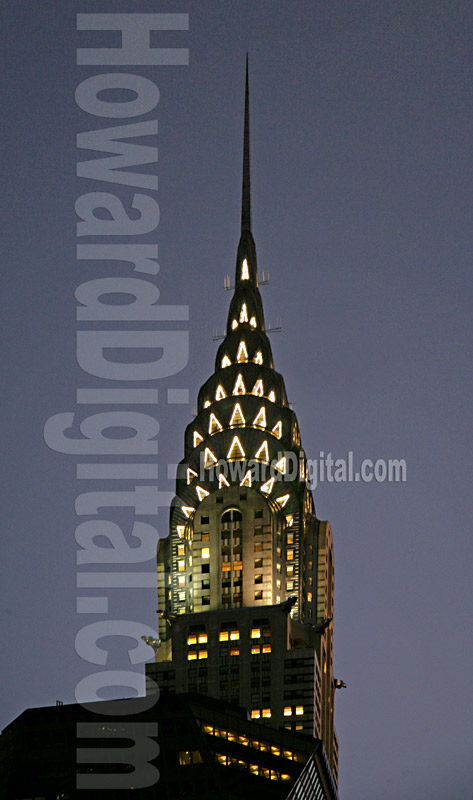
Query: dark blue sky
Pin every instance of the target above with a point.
(361, 130)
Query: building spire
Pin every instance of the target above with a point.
(246, 185)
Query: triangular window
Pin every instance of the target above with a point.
(236, 450)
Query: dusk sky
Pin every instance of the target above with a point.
(361, 131)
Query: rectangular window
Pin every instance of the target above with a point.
(192, 656)
(299, 710)
(204, 520)
(290, 555)
(255, 713)
(259, 595)
(206, 552)
(258, 514)
(192, 640)
(309, 597)
(255, 650)
(237, 565)
(181, 566)
(181, 549)
(266, 713)
(256, 633)
(205, 537)
(259, 578)
(287, 711)
(205, 568)
(223, 636)
(226, 566)
(234, 635)
(203, 654)
(258, 547)
(234, 651)
(266, 648)
(202, 638)
(181, 580)
(258, 563)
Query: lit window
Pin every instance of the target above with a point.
(203, 654)
(197, 438)
(206, 552)
(290, 538)
(190, 475)
(258, 359)
(266, 713)
(223, 636)
(290, 569)
(214, 425)
(226, 362)
(245, 274)
(242, 354)
(287, 711)
(309, 597)
(259, 595)
(267, 487)
(234, 324)
(181, 580)
(192, 640)
(209, 458)
(202, 638)
(237, 565)
(243, 313)
(181, 549)
(206, 537)
(236, 450)
(272, 396)
(258, 388)
(290, 555)
(282, 500)
(226, 567)
(281, 465)
(222, 481)
(247, 479)
(290, 586)
(181, 566)
(234, 635)
(256, 633)
(277, 430)
(255, 713)
(239, 387)
(299, 711)
(192, 656)
(220, 393)
(266, 648)
(260, 419)
(255, 650)
(262, 452)
(253, 322)
(234, 651)
(188, 510)
(201, 493)
(180, 531)
(237, 417)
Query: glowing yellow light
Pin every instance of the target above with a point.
(277, 430)
(191, 656)
(226, 362)
(192, 640)
(268, 486)
(262, 452)
(188, 511)
(256, 633)
(255, 713)
(253, 322)
(245, 273)
(255, 651)
(258, 388)
(234, 652)
(247, 479)
(236, 450)
(206, 552)
(243, 313)
(287, 711)
(214, 424)
(272, 396)
(222, 481)
(266, 713)
(201, 493)
(190, 475)
(266, 648)
(260, 419)
(197, 438)
(290, 520)
(220, 393)
(239, 387)
(234, 324)
(234, 635)
(282, 500)
(258, 359)
(237, 417)
(209, 458)
(202, 638)
(299, 711)
(180, 531)
(203, 654)
(281, 465)
(242, 354)
(223, 636)
(207, 403)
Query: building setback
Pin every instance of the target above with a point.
(246, 577)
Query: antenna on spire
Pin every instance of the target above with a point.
(246, 184)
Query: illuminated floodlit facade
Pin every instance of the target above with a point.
(246, 575)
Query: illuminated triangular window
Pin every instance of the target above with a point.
(239, 387)
(234, 324)
(237, 416)
(247, 479)
(272, 396)
(262, 452)
(180, 531)
(253, 322)
(258, 388)
(220, 393)
(207, 403)
(277, 430)
(260, 419)
(282, 500)
(226, 362)
(258, 359)
(245, 273)
(290, 520)
(190, 475)
(244, 313)
(236, 450)
(201, 493)
(242, 354)
(214, 424)
(267, 487)
(209, 458)
(222, 481)
(197, 438)
(188, 510)
(281, 465)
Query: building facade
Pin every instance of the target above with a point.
(246, 577)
